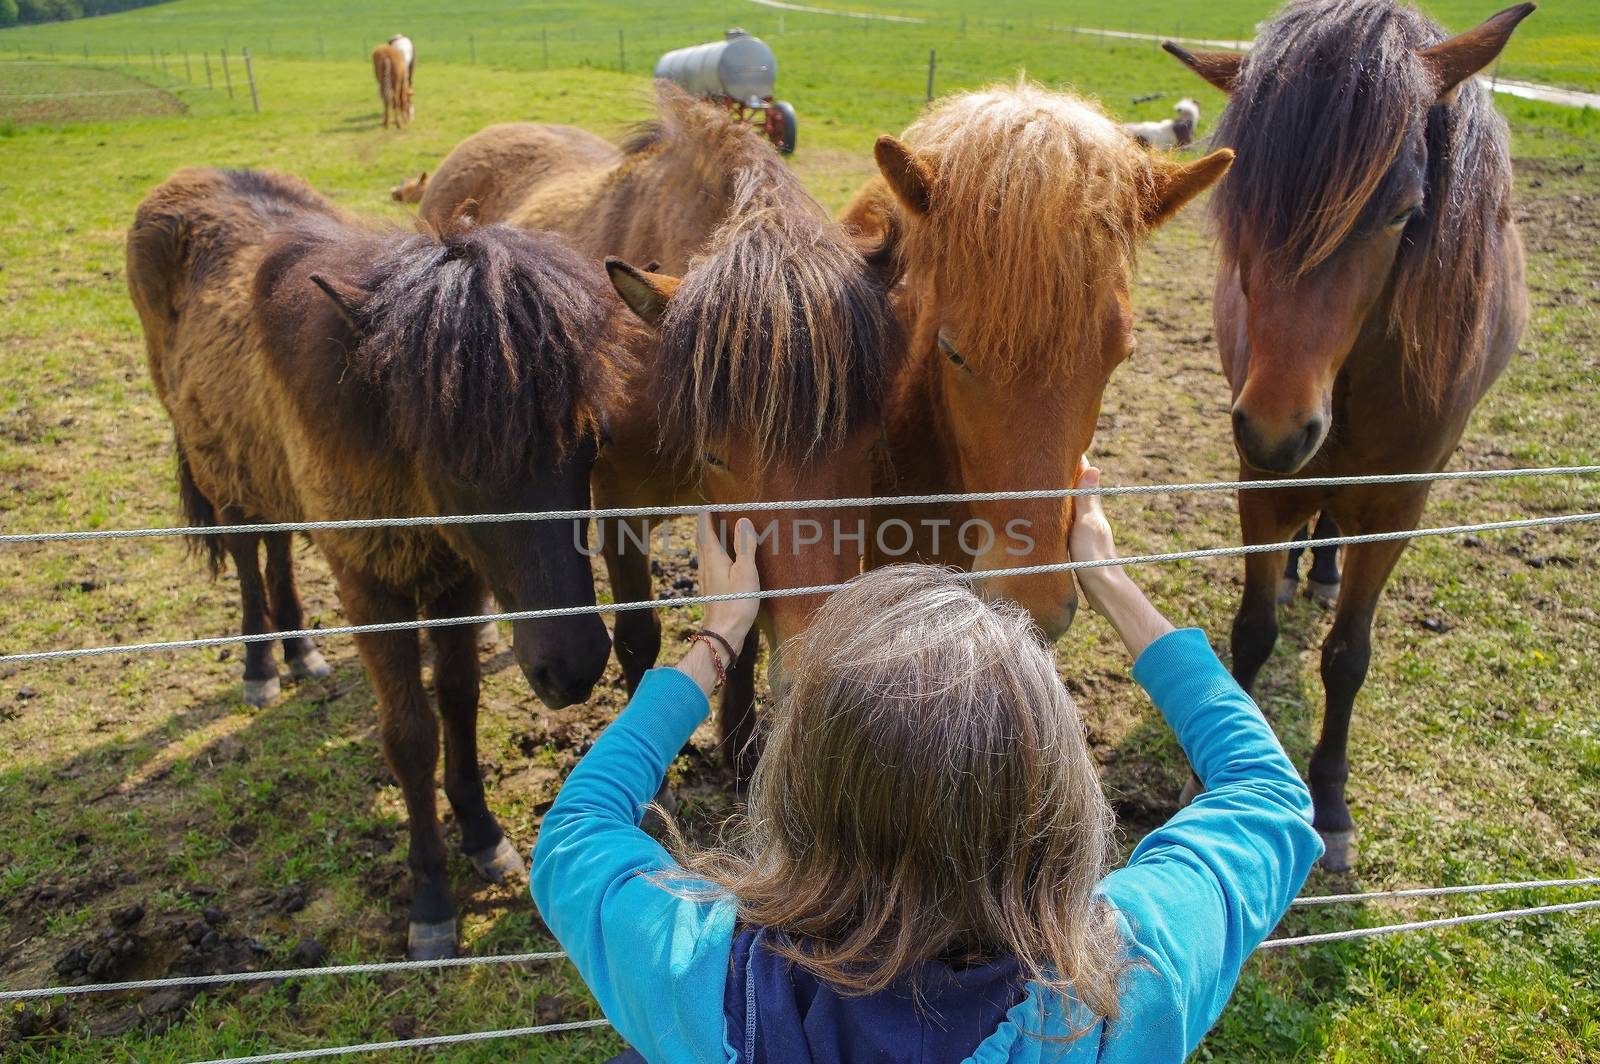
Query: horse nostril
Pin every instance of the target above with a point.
(1313, 434)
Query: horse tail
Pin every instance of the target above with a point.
(199, 512)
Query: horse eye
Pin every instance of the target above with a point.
(1403, 217)
(950, 352)
(713, 461)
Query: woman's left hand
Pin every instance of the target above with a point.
(722, 575)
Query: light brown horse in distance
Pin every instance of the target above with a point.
(394, 85)
(774, 343)
(1018, 211)
(1370, 291)
(314, 369)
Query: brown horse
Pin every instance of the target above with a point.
(1018, 212)
(1370, 291)
(394, 84)
(771, 357)
(319, 369)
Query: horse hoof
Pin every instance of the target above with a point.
(310, 666)
(1191, 790)
(262, 692)
(1286, 589)
(498, 863)
(1340, 850)
(431, 942)
(489, 637)
(1324, 595)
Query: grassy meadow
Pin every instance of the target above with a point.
(148, 815)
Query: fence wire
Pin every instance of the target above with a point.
(556, 1028)
(689, 509)
(790, 592)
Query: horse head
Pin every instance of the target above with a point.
(1020, 210)
(494, 356)
(1367, 190)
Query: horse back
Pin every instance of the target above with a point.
(504, 166)
(193, 251)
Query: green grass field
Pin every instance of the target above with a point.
(144, 780)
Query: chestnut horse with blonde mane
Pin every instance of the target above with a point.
(394, 84)
(1370, 291)
(1017, 213)
(317, 368)
(774, 343)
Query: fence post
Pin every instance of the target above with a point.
(250, 74)
(207, 57)
(127, 59)
(164, 71)
(152, 59)
(931, 61)
(545, 33)
(188, 71)
(472, 47)
(86, 49)
(622, 53)
(227, 75)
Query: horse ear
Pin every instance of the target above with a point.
(346, 298)
(1451, 62)
(1176, 184)
(910, 180)
(1219, 68)
(647, 294)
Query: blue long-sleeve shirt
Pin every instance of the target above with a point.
(1194, 900)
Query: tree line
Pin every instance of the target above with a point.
(13, 12)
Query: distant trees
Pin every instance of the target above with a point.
(61, 10)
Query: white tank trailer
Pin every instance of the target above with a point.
(739, 72)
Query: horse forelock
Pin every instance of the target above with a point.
(495, 348)
(1036, 209)
(780, 332)
(1330, 98)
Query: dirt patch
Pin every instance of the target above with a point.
(37, 93)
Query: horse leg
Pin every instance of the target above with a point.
(1255, 625)
(636, 634)
(410, 736)
(456, 682)
(1322, 585)
(261, 686)
(299, 653)
(1346, 654)
(1291, 571)
(736, 712)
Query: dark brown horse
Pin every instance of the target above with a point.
(774, 342)
(315, 369)
(1370, 292)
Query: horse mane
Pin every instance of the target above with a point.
(1325, 104)
(1036, 199)
(490, 344)
(781, 331)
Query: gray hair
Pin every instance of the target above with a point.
(925, 792)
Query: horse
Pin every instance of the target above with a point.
(1177, 132)
(316, 368)
(394, 85)
(774, 343)
(1370, 291)
(1016, 212)
(410, 190)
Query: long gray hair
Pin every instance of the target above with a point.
(926, 792)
